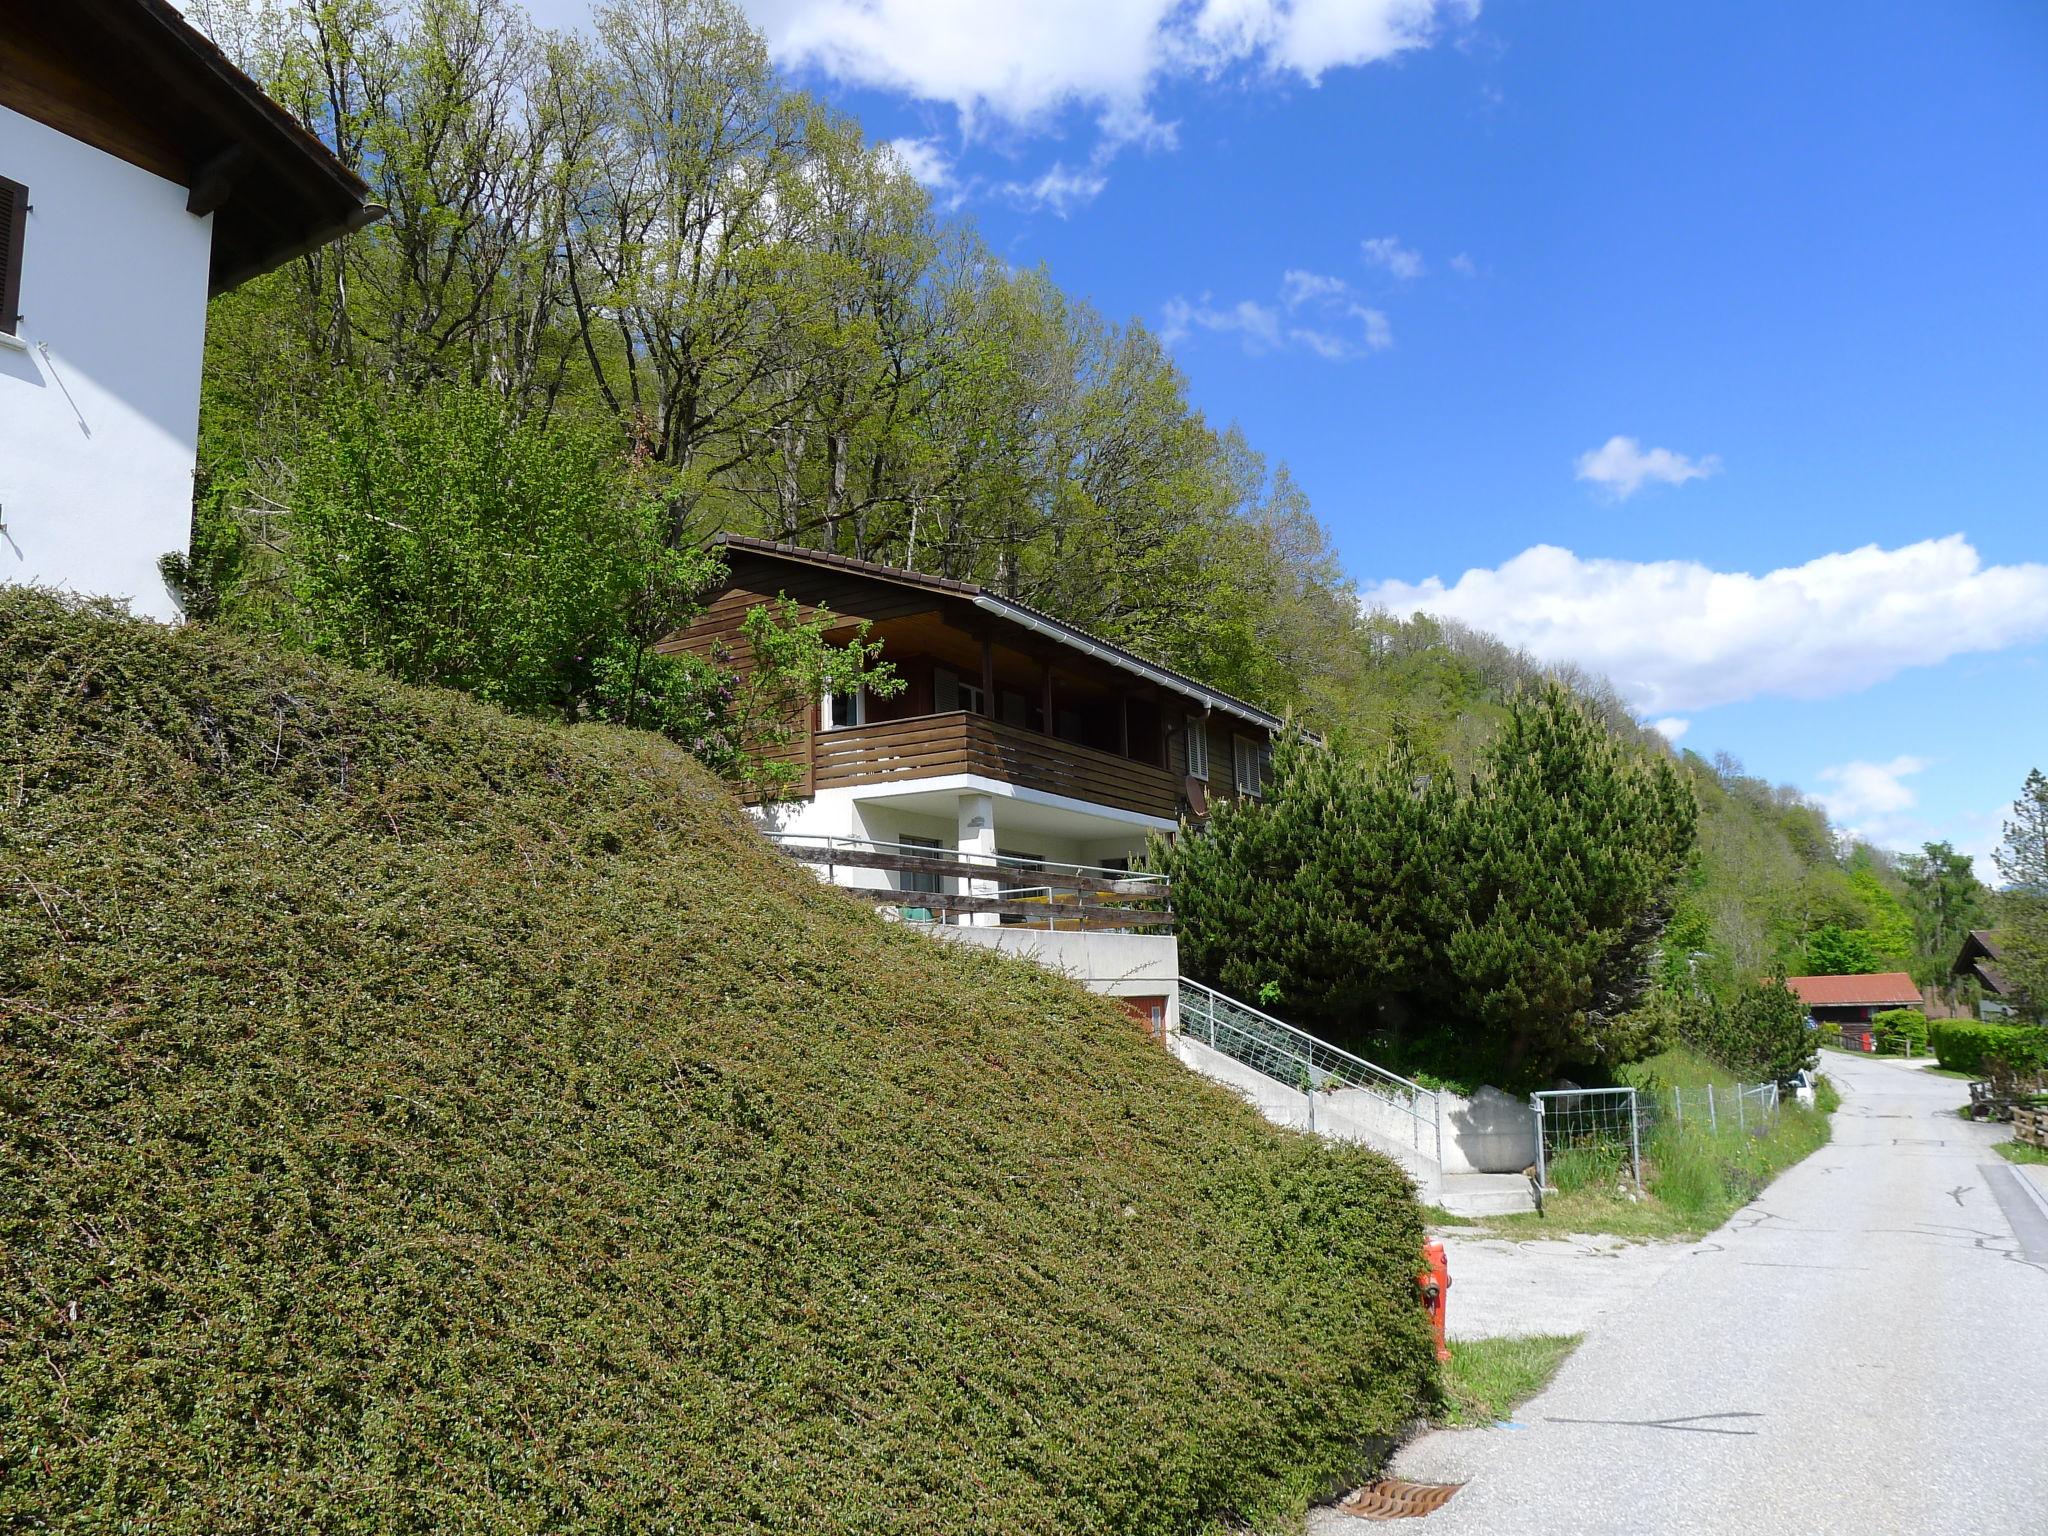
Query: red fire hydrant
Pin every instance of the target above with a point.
(1435, 1284)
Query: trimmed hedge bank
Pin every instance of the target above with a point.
(1964, 1045)
(418, 1120)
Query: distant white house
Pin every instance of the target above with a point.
(140, 174)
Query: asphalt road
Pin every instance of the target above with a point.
(1862, 1350)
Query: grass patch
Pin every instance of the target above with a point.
(1487, 1378)
(1437, 1216)
(2020, 1152)
(414, 1119)
(1693, 1178)
(1679, 1067)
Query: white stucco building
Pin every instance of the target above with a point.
(140, 174)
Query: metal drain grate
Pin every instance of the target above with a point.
(1392, 1499)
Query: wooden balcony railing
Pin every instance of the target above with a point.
(926, 746)
(1060, 897)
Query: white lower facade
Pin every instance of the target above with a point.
(975, 816)
(969, 813)
(99, 385)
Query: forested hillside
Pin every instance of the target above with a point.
(645, 235)
(634, 289)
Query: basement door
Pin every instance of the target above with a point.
(1150, 1012)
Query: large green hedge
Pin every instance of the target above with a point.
(414, 1119)
(1899, 1028)
(1964, 1045)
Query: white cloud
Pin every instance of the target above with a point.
(1059, 188)
(1463, 265)
(1378, 334)
(1859, 791)
(1257, 323)
(924, 161)
(1298, 288)
(1330, 348)
(1342, 327)
(1386, 252)
(1672, 728)
(1622, 466)
(1674, 635)
(1020, 61)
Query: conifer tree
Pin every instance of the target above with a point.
(1321, 900)
(2023, 905)
(1567, 847)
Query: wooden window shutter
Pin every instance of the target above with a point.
(13, 230)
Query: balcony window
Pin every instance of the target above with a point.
(1022, 861)
(841, 710)
(951, 691)
(1198, 750)
(917, 881)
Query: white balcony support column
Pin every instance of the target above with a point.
(977, 844)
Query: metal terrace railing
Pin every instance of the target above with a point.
(1032, 892)
(1299, 1060)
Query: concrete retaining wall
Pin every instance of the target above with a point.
(1490, 1132)
(1114, 964)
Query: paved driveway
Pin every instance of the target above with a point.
(1862, 1350)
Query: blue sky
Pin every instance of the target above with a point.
(1704, 345)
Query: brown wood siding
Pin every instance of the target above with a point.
(902, 727)
(753, 581)
(38, 84)
(931, 745)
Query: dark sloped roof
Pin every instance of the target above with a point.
(135, 79)
(1056, 629)
(1979, 958)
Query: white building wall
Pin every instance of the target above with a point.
(1116, 965)
(1113, 964)
(855, 813)
(99, 408)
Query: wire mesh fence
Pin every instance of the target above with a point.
(1745, 1106)
(1597, 1135)
(1586, 1134)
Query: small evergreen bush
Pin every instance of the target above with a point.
(1761, 1036)
(1898, 1028)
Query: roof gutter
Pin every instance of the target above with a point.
(1208, 698)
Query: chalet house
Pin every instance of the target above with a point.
(1978, 962)
(1022, 747)
(140, 174)
(1016, 731)
(1834, 1001)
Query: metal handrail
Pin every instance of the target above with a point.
(1293, 1056)
(968, 862)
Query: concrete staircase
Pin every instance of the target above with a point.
(1487, 1194)
(1295, 1079)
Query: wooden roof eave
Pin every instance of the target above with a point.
(134, 79)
